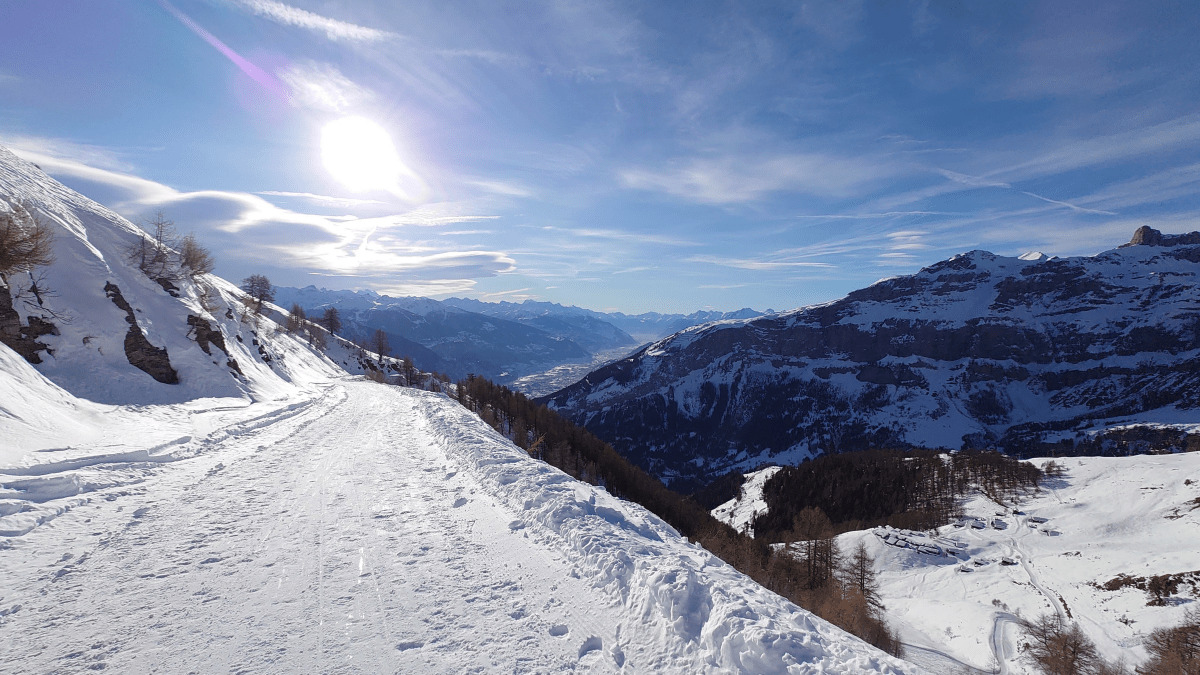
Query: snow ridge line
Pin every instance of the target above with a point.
(674, 592)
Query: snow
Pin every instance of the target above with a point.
(740, 512)
(1107, 516)
(369, 528)
(296, 519)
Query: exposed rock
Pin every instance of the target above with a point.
(23, 339)
(1148, 236)
(141, 354)
(206, 334)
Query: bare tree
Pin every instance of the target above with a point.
(859, 572)
(296, 319)
(259, 288)
(379, 343)
(331, 320)
(1060, 648)
(1175, 651)
(194, 258)
(154, 253)
(26, 242)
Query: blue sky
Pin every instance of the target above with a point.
(637, 156)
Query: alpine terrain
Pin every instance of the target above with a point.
(1031, 355)
(192, 480)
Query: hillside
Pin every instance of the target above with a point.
(283, 516)
(1085, 546)
(1030, 355)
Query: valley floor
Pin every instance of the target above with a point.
(365, 529)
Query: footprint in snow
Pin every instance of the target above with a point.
(559, 629)
(461, 501)
(592, 644)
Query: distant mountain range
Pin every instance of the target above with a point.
(503, 341)
(1028, 355)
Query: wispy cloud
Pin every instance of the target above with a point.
(730, 180)
(1156, 188)
(875, 216)
(58, 148)
(498, 187)
(321, 86)
(323, 200)
(619, 235)
(333, 29)
(1070, 53)
(1175, 134)
(247, 227)
(757, 265)
(1073, 207)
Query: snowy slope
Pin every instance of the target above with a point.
(1107, 516)
(740, 512)
(371, 529)
(87, 357)
(957, 593)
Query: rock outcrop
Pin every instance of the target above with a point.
(1148, 236)
(22, 338)
(142, 355)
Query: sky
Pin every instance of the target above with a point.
(635, 156)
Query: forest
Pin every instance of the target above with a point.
(910, 489)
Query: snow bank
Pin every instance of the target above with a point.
(687, 611)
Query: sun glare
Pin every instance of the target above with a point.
(360, 154)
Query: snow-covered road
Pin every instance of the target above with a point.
(366, 531)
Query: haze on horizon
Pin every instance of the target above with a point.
(614, 155)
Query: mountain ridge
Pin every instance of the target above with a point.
(979, 350)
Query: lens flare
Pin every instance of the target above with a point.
(360, 154)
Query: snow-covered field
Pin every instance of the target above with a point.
(959, 605)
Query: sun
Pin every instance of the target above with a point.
(361, 155)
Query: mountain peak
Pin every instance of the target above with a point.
(1148, 236)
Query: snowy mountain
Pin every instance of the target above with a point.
(1084, 546)
(535, 347)
(185, 486)
(443, 337)
(1031, 355)
(643, 327)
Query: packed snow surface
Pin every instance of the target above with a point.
(363, 528)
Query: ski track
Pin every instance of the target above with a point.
(352, 565)
(372, 529)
